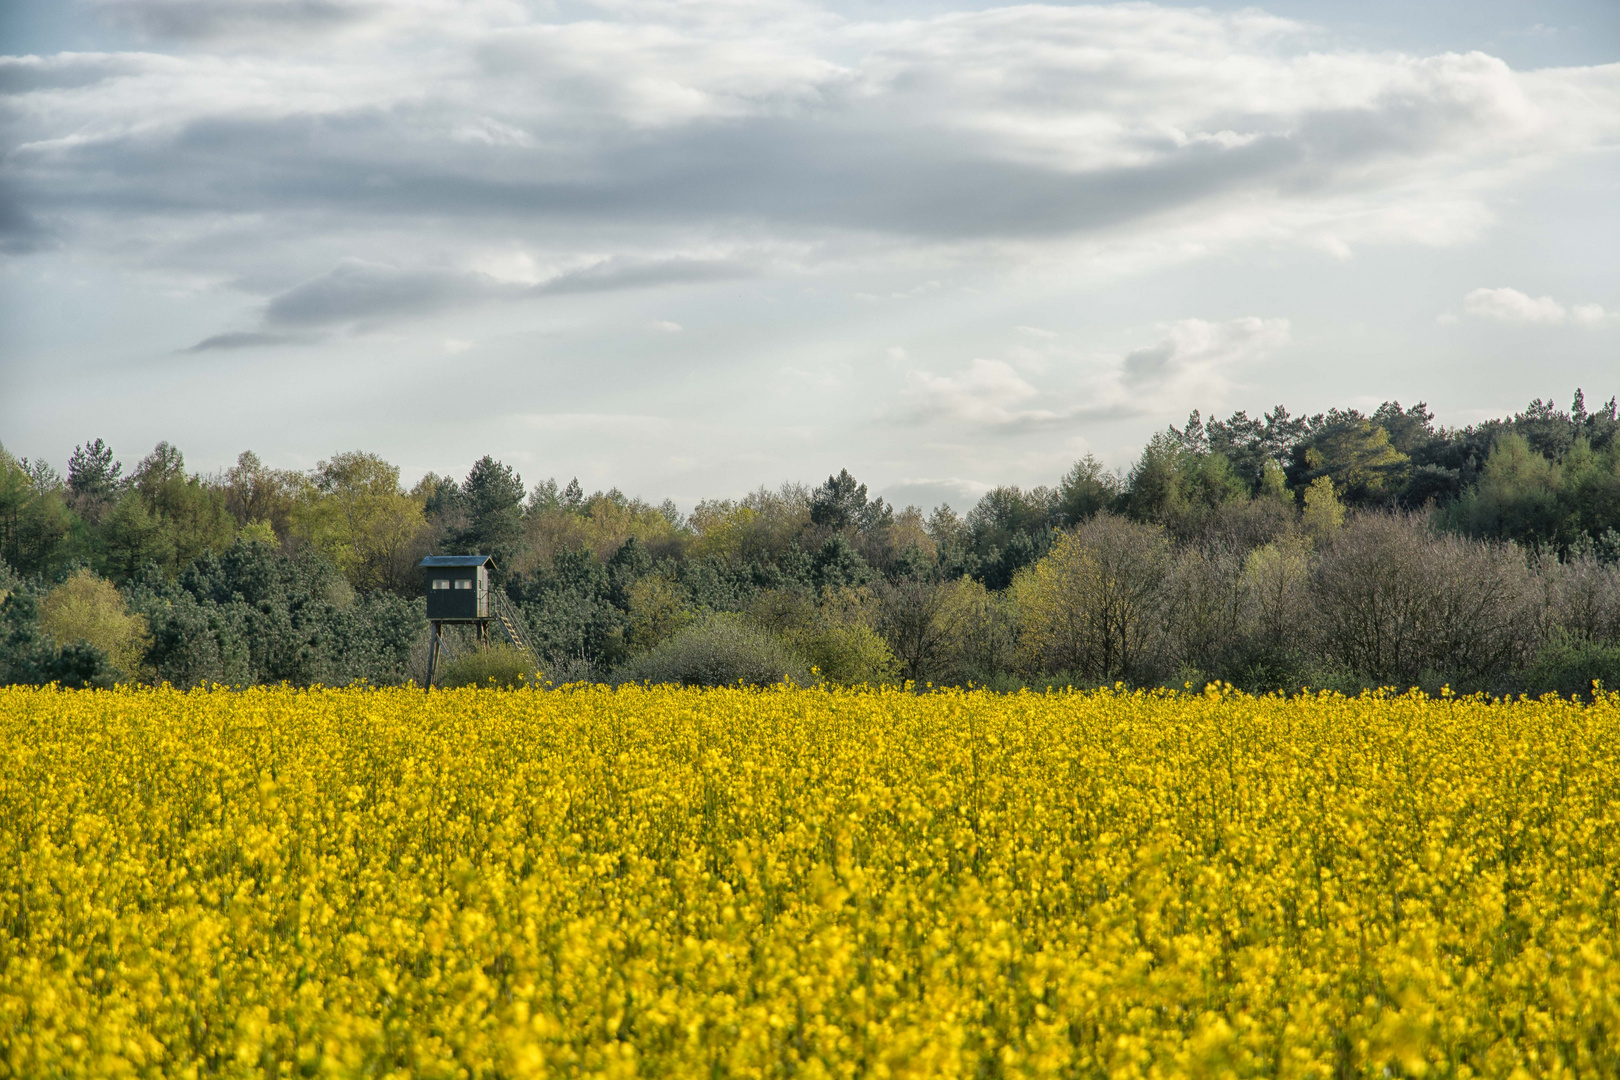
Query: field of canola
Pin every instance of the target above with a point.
(808, 883)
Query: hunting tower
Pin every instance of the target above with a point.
(459, 592)
(458, 587)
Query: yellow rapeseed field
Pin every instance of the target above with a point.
(806, 883)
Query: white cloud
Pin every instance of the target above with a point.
(988, 392)
(667, 327)
(1194, 357)
(1196, 353)
(1513, 306)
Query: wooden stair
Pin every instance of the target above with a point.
(510, 622)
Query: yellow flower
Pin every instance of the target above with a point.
(817, 882)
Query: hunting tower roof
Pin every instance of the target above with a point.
(458, 560)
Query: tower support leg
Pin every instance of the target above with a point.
(433, 657)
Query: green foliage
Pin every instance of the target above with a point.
(191, 514)
(1092, 605)
(253, 614)
(88, 609)
(570, 612)
(1522, 495)
(1356, 454)
(1324, 513)
(841, 503)
(493, 665)
(256, 495)
(492, 499)
(1569, 664)
(848, 655)
(132, 539)
(659, 609)
(92, 472)
(722, 650)
(29, 655)
(356, 514)
(35, 522)
(262, 574)
(838, 566)
(1086, 489)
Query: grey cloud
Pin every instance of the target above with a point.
(359, 291)
(22, 233)
(66, 71)
(956, 492)
(623, 273)
(242, 339)
(1149, 363)
(966, 130)
(809, 170)
(995, 395)
(193, 20)
(360, 295)
(773, 170)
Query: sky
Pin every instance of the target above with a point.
(687, 249)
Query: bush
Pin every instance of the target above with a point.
(29, 655)
(491, 665)
(721, 651)
(1401, 605)
(1094, 605)
(1568, 664)
(849, 655)
(86, 608)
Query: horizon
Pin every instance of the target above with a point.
(960, 506)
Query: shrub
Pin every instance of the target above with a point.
(723, 650)
(1402, 605)
(491, 665)
(659, 610)
(86, 608)
(1093, 605)
(29, 655)
(1569, 663)
(849, 655)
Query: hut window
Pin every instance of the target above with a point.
(441, 583)
(464, 583)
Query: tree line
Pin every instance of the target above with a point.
(1337, 550)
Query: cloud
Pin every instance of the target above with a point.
(629, 273)
(66, 71)
(988, 392)
(208, 20)
(241, 339)
(1192, 358)
(21, 233)
(1196, 349)
(357, 291)
(649, 128)
(358, 296)
(1512, 306)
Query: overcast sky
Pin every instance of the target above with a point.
(690, 248)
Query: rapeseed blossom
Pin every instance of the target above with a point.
(819, 883)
